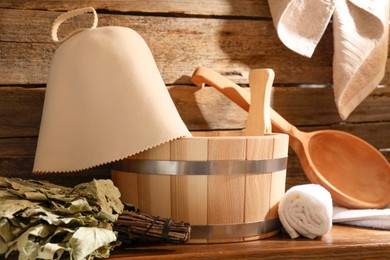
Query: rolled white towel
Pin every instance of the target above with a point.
(306, 210)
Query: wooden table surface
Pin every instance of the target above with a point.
(342, 242)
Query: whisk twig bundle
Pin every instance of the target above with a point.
(138, 226)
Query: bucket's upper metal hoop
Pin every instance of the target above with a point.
(217, 167)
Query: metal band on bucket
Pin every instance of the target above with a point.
(235, 230)
(218, 167)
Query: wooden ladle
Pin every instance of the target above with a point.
(355, 173)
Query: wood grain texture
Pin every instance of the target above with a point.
(21, 167)
(223, 198)
(201, 109)
(229, 36)
(20, 111)
(241, 8)
(189, 193)
(207, 109)
(340, 243)
(278, 182)
(155, 190)
(258, 186)
(127, 183)
(230, 46)
(226, 193)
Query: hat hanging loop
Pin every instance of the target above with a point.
(65, 16)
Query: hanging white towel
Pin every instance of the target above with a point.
(306, 210)
(369, 218)
(361, 33)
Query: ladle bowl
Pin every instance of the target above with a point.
(355, 173)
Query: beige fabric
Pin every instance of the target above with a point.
(68, 15)
(361, 31)
(105, 100)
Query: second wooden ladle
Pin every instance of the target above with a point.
(355, 173)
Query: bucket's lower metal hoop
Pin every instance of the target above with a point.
(235, 230)
(217, 167)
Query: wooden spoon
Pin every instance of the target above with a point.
(355, 173)
(258, 121)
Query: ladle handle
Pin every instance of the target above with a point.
(237, 94)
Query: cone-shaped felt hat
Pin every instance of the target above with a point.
(105, 100)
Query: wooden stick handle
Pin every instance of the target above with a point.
(237, 94)
(258, 121)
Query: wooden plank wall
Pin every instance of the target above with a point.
(229, 36)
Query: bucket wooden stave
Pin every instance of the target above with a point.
(221, 207)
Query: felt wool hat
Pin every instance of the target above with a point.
(105, 100)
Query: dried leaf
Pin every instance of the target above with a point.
(35, 211)
(28, 243)
(61, 235)
(38, 196)
(52, 218)
(76, 206)
(36, 190)
(11, 247)
(86, 240)
(3, 182)
(104, 251)
(5, 231)
(76, 220)
(51, 251)
(3, 246)
(10, 207)
(42, 220)
(104, 193)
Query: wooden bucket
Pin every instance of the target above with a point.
(226, 185)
